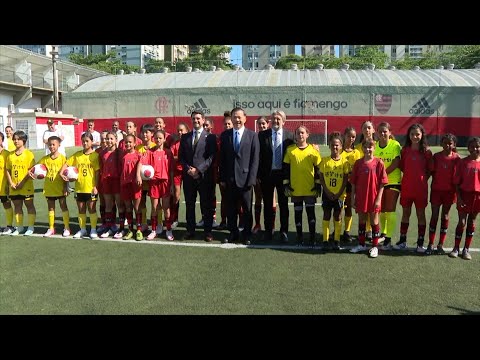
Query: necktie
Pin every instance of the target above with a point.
(197, 136)
(278, 151)
(237, 142)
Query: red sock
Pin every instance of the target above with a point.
(129, 216)
(431, 231)
(121, 220)
(443, 231)
(421, 231)
(469, 235)
(403, 229)
(154, 221)
(361, 233)
(139, 220)
(375, 234)
(458, 235)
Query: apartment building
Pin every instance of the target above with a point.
(256, 57)
(310, 50)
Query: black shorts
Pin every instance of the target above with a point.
(396, 187)
(348, 189)
(85, 197)
(21, 197)
(328, 204)
(4, 199)
(55, 197)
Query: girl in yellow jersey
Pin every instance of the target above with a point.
(388, 149)
(54, 187)
(7, 204)
(333, 177)
(301, 182)
(88, 165)
(19, 162)
(351, 155)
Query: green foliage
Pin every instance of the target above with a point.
(103, 62)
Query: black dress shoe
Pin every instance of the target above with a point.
(189, 236)
(247, 241)
(208, 237)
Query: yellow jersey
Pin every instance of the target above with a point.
(54, 184)
(333, 172)
(88, 167)
(388, 154)
(18, 166)
(302, 163)
(3, 175)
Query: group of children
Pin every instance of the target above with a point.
(368, 177)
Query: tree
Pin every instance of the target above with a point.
(103, 62)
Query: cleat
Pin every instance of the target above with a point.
(107, 234)
(429, 250)
(169, 235)
(93, 234)
(440, 250)
(336, 245)
(159, 229)
(66, 232)
(453, 253)
(29, 231)
(401, 245)
(49, 233)
(139, 235)
(256, 229)
(346, 238)
(326, 246)
(152, 235)
(128, 235)
(373, 252)
(18, 231)
(466, 254)
(358, 248)
(381, 239)
(119, 234)
(102, 229)
(8, 230)
(420, 249)
(80, 233)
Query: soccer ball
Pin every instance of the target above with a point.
(147, 172)
(39, 171)
(71, 173)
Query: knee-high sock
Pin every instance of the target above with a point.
(310, 210)
(458, 235)
(368, 224)
(361, 233)
(93, 220)
(443, 231)
(19, 219)
(144, 215)
(383, 222)
(469, 235)
(82, 221)
(375, 234)
(326, 230)
(31, 219)
(66, 219)
(298, 209)
(391, 223)
(348, 223)
(337, 229)
(9, 216)
(51, 219)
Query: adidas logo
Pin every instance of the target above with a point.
(198, 105)
(421, 107)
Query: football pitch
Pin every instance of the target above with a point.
(82, 276)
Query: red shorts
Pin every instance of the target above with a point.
(420, 200)
(130, 191)
(110, 185)
(471, 199)
(159, 189)
(443, 197)
(177, 177)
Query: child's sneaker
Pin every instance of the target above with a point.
(373, 252)
(358, 248)
(119, 234)
(80, 233)
(466, 254)
(453, 253)
(420, 249)
(336, 245)
(66, 232)
(387, 245)
(152, 235)
(159, 229)
(107, 233)
(401, 245)
(19, 230)
(8, 230)
(429, 250)
(49, 233)
(169, 234)
(93, 234)
(29, 231)
(440, 250)
(139, 235)
(128, 235)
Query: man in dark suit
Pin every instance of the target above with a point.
(197, 154)
(273, 144)
(239, 152)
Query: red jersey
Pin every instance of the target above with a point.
(175, 147)
(415, 167)
(169, 140)
(129, 163)
(367, 178)
(162, 162)
(443, 170)
(110, 164)
(468, 175)
(121, 144)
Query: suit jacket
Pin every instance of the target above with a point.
(240, 168)
(266, 150)
(202, 157)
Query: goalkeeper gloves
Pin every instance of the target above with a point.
(317, 189)
(287, 189)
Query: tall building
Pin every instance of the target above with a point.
(309, 50)
(65, 50)
(256, 57)
(397, 52)
(195, 49)
(139, 55)
(38, 49)
(175, 52)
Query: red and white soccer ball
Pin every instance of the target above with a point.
(147, 172)
(39, 171)
(71, 173)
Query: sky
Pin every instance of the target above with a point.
(236, 54)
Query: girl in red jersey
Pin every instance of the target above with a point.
(182, 128)
(161, 185)
(467, 180)
(368, 179)
(130, 188)
(414, 163)
(442, 167)
(110, 171)
(131, 130)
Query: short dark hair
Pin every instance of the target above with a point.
(55, 138)
(21, 135)
(197, 111)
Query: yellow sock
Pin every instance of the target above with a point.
(348, 223)
(144, 215)
(66, 219)
(93, 220)
(383, 223)
(369, 226)
(326, 229)
(337, 228)
(391, 223)
(9, 216)
(51, 219)
(31, 219)
(82, 221)
(19, 219)
(160, 216)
